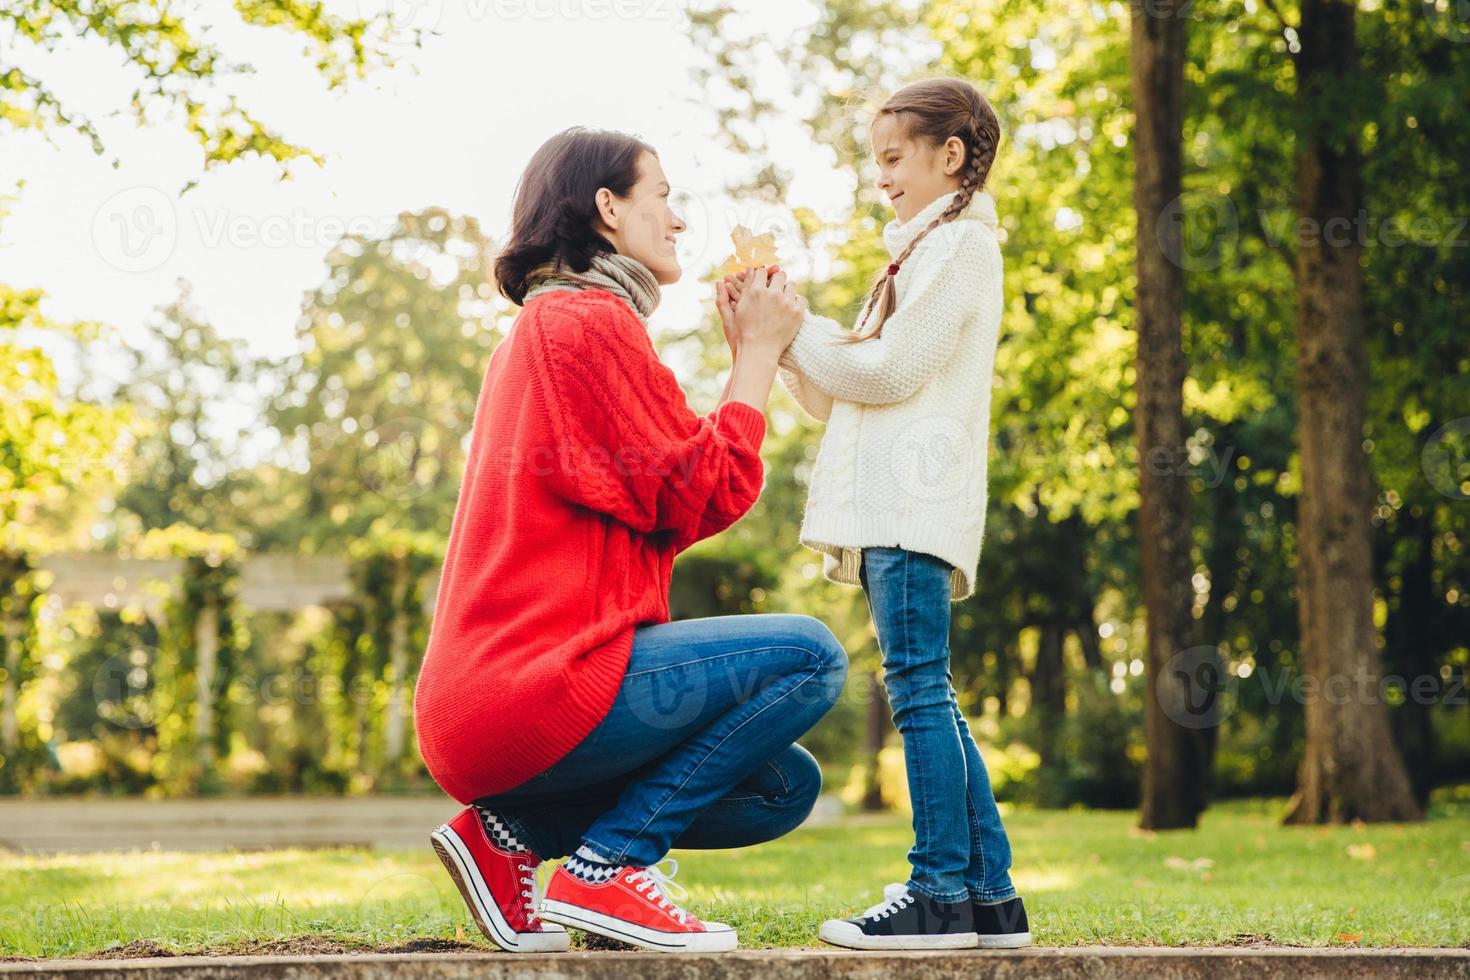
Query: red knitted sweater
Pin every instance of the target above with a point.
(587, 473)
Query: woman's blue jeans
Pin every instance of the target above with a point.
(960, 847)
(698, 749)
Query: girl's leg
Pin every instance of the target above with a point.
(908, 596)
(705, 705)
(988, 875)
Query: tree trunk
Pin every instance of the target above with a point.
(1049, 693)
(1171, 778)
(1413, 634)
(12, 637)
(877, 729)
(1351, 768)
(397, 669)
(206, 653)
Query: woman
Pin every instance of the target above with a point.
(556, 698)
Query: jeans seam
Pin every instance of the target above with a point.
(721, 656)
(814, 672)
(781, 775)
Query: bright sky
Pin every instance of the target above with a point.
(452, 125)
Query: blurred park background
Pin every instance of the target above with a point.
(244, 317)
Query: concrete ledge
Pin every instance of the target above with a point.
(1064, 963)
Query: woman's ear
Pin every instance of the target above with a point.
(607, 207)
(954, 155)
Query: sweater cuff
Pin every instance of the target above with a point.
(743, 423)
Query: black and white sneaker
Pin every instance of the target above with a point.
(1003, 924)
(904, 920)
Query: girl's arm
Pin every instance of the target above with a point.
(919, 337)
(814, 401)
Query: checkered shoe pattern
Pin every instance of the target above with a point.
(500, 832)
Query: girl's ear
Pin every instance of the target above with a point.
(607, 207)
(954, 155)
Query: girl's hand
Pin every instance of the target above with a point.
(769, 314)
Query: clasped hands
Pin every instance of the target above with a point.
(760, 311)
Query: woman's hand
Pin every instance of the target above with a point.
(736, 284)
(767, 314)
(725, 303)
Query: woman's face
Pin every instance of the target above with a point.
(642, 226)
(911, 172)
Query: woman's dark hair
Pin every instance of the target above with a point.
(556, 203)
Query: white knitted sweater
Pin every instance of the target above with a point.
(904, 455)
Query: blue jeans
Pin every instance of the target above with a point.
(698, 749)
(960, 848)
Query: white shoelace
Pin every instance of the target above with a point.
(531, 890)
(896, 895)
(658, 884)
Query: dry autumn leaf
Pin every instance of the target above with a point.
(751, 251)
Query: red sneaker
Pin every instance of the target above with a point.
(632, 908)
(498, 883)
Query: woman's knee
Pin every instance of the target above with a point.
(817, 638)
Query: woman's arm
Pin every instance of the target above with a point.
(624, 441)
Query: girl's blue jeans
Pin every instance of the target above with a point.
(960, 847)
(698, 749)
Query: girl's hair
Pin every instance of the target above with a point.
(934, 110)
(555, 209)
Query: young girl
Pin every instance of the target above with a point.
(898, 494)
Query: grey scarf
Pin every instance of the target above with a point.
(628, 279)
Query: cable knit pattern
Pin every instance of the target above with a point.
(587, 473)
(903, 461)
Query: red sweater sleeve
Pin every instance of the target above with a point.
(625, 441)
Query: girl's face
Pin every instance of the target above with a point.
(642, 226)
(913, 173)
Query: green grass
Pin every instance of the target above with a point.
(1088, 878)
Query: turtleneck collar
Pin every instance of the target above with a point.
(897, 236)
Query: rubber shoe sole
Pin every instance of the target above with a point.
(719, 939)
(483, 910)
(1010, 940)
(846, 934)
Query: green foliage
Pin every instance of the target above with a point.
(379, 402)
(177, 68)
